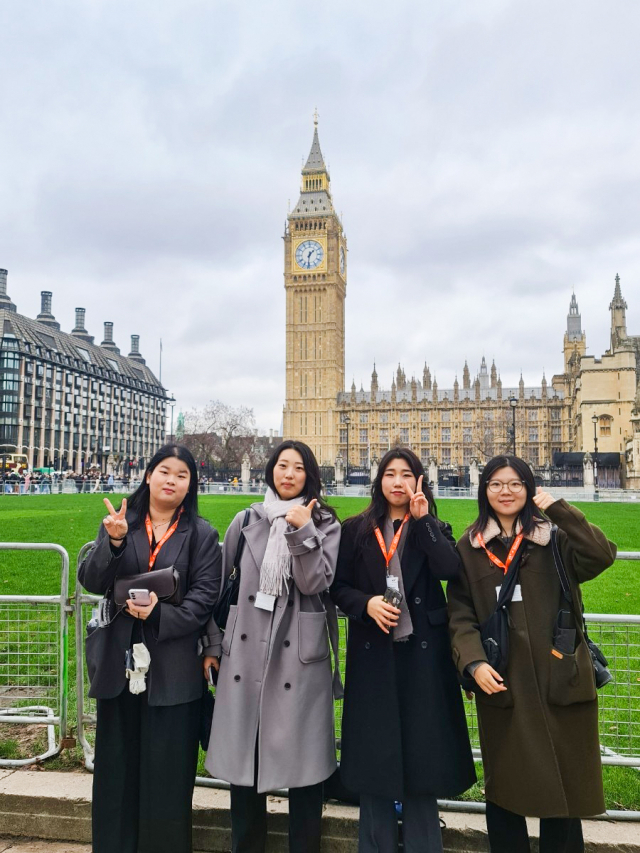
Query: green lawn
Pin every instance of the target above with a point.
(72, 520)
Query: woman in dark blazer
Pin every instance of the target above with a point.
(146, 747)
(404, 733)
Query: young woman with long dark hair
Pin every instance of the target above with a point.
(273, 722)
(538, 720)
(148, 725)
(404, 733)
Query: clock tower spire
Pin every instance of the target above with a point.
(315, 280)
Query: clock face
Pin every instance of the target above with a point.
(309, 254)
(342, 260)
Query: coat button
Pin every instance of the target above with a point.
(367, 645)
(424, 644)
(289, 603)
(243, 636)
(252, 598)
(418, 601)
(287, 644)
(236, 678)
(287, 686)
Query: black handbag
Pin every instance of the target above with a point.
(164, 582)
(600, 664)
(494, 631)
(229, 594)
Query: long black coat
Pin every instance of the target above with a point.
(403, 726)
(175, 674)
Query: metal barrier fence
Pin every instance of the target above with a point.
(34, 659)
(85, 706)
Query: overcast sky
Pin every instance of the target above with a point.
(484, 157)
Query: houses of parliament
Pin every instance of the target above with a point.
(591, 398)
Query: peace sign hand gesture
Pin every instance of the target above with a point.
(418, 503)
(115, 523)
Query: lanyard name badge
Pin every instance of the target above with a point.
(167, 535)
(517, 592)
(392, 580)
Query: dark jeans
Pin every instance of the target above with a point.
(378, 832)
(145, 768)
(508, 833)
(249, 819)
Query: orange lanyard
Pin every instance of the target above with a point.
(167, 535)
(511, 555)
(392, 550)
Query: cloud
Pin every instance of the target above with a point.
(483, 157)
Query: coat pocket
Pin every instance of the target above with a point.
(438, 617)
(503, 699)
(571, 678)
(313, 637)
(228, 631)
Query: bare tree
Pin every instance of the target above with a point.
(219, 434)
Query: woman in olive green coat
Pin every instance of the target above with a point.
(538, 720)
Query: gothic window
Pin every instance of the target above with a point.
(364, 436)
(404, 436)
(466, 416)
(404, 417)
(488, 416)
(467, 435)
(556, 433)
(533, 414)
(446, 434)
(446, 455)
(466, 455)
(555, 414)
(364, 458)
(384, 436)
(343, 436)
(424, 454)
(425, 434)
(424, 417)
(605, 425)
(384, 417)
(533, 434)
(445, 415)
(364, 417)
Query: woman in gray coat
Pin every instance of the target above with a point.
(273, 724)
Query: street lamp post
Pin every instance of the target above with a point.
(346, 421)
(594, 421)
(513, 402)
(172, 403)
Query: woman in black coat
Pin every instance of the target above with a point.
(148, 725)
(404, 732)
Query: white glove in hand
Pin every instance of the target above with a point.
(137, 676)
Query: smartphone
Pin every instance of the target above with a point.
(392, 597)
(213, 675)
(140, 596)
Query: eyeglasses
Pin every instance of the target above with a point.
(496, 486)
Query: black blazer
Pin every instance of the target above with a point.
(175, 675)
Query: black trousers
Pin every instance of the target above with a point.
(508, 833)
(145, 767)
(249, 819)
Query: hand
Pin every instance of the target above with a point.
(384, 615)
(488, 679)
(210, 661)
(542, 499)
(418, 503)
(299, 515)
(141, 611)
(115, 523)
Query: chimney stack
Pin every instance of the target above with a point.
(108, 343)
(45, 316)
(79, 330)
(5, 302)
(134, 355)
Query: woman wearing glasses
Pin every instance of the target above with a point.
(538, 720)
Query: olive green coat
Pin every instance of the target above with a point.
(539, 739)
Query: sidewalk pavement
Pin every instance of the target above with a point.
(54, 810)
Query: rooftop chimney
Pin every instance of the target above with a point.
(5, 302)
(108, 343)
(45, 316)
(134, 355)
(79, 330)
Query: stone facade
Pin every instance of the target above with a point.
(454, 427)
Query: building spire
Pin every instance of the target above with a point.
(315, 160)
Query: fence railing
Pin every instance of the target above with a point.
(34, 659)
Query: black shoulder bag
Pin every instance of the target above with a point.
(494, 632)
(229, 594)
(564, 635)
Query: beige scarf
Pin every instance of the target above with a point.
(275, 571)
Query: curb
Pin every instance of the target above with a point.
(55, 806)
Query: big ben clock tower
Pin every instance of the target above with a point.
(315, 280)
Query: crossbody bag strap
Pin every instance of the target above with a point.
(240, 545)
(334, 639)
(581, 622)
(510, 579)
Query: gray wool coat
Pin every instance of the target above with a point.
(275, 681)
